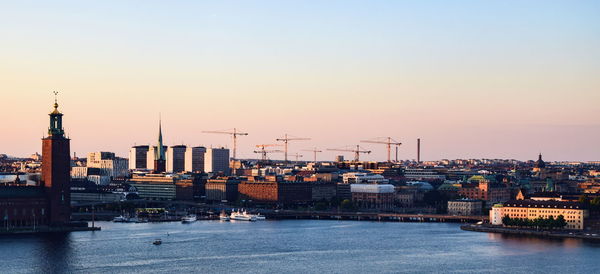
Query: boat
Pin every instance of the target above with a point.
(120, 219)
(157, 242)
(259, 217)
(242, 216)
(189, 219)
(223, 216)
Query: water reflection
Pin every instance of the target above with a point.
(535, 242)
(54, 252)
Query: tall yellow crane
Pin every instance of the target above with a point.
(263, 152)
(314, 151)
(356, 151)
(234, 134)
(286, 139)
(389, 142)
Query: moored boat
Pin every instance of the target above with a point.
(242, 216)
(189, 219)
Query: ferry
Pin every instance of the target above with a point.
(189, 219)
(242, 216)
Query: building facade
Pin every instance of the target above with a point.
(574, 213)
(194, 159)
(373, 196)
(465, 207)
(216, 160)
(138, 157)
(176, 158)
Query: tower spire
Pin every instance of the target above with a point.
(161, 152)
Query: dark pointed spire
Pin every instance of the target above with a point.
(160, 152)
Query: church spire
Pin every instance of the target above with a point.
(160, 155)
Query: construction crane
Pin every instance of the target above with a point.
(297, 155)
(285, 140)
(356, 151)
(389, 142)
(234, 133)
(314, 151)
(264, 152)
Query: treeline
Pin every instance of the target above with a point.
(547, 223)
(591, 204)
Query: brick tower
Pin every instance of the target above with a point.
(56, 170)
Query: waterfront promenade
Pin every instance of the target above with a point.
(560, 234)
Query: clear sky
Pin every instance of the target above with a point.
(472, 79)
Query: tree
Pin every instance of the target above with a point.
(347, 205)
(560, 221)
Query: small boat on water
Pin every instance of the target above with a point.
(157, 242)
(189, 219)
(242, 216)
(223, 216)
(120, 219)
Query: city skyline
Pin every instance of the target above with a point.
(470, 85)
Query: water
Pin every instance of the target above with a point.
(293, 246)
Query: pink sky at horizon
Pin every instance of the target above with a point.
(487, 81)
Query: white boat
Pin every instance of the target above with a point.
(259, 217)
(189, 219)
(242, 216)
(120, 219)
(223, 216)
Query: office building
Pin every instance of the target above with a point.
(194, 159)
(216, 160)
(138, 157)
(176, 158)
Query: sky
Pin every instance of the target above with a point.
(472, 79)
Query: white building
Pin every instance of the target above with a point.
(176, 158)
(363, 178)
(217, 160)
(194, 159)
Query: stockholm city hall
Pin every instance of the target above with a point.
(47, 204)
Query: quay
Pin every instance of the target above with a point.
(368, 216)
(39, 230)
(558, 234)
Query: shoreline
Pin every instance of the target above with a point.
(594, 236)
(49, 230)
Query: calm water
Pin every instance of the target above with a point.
(294, 246)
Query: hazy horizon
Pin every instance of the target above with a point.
(505, 79)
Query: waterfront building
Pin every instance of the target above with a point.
(194, 159)
(465, 207)
(573, 212)
(56, 168)
(275, 192)
(217, 161)
(49, 202)
(222, 189)
(176, 158)
(138, 157)
(373, 196)
(323, 191)
(154, 186)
